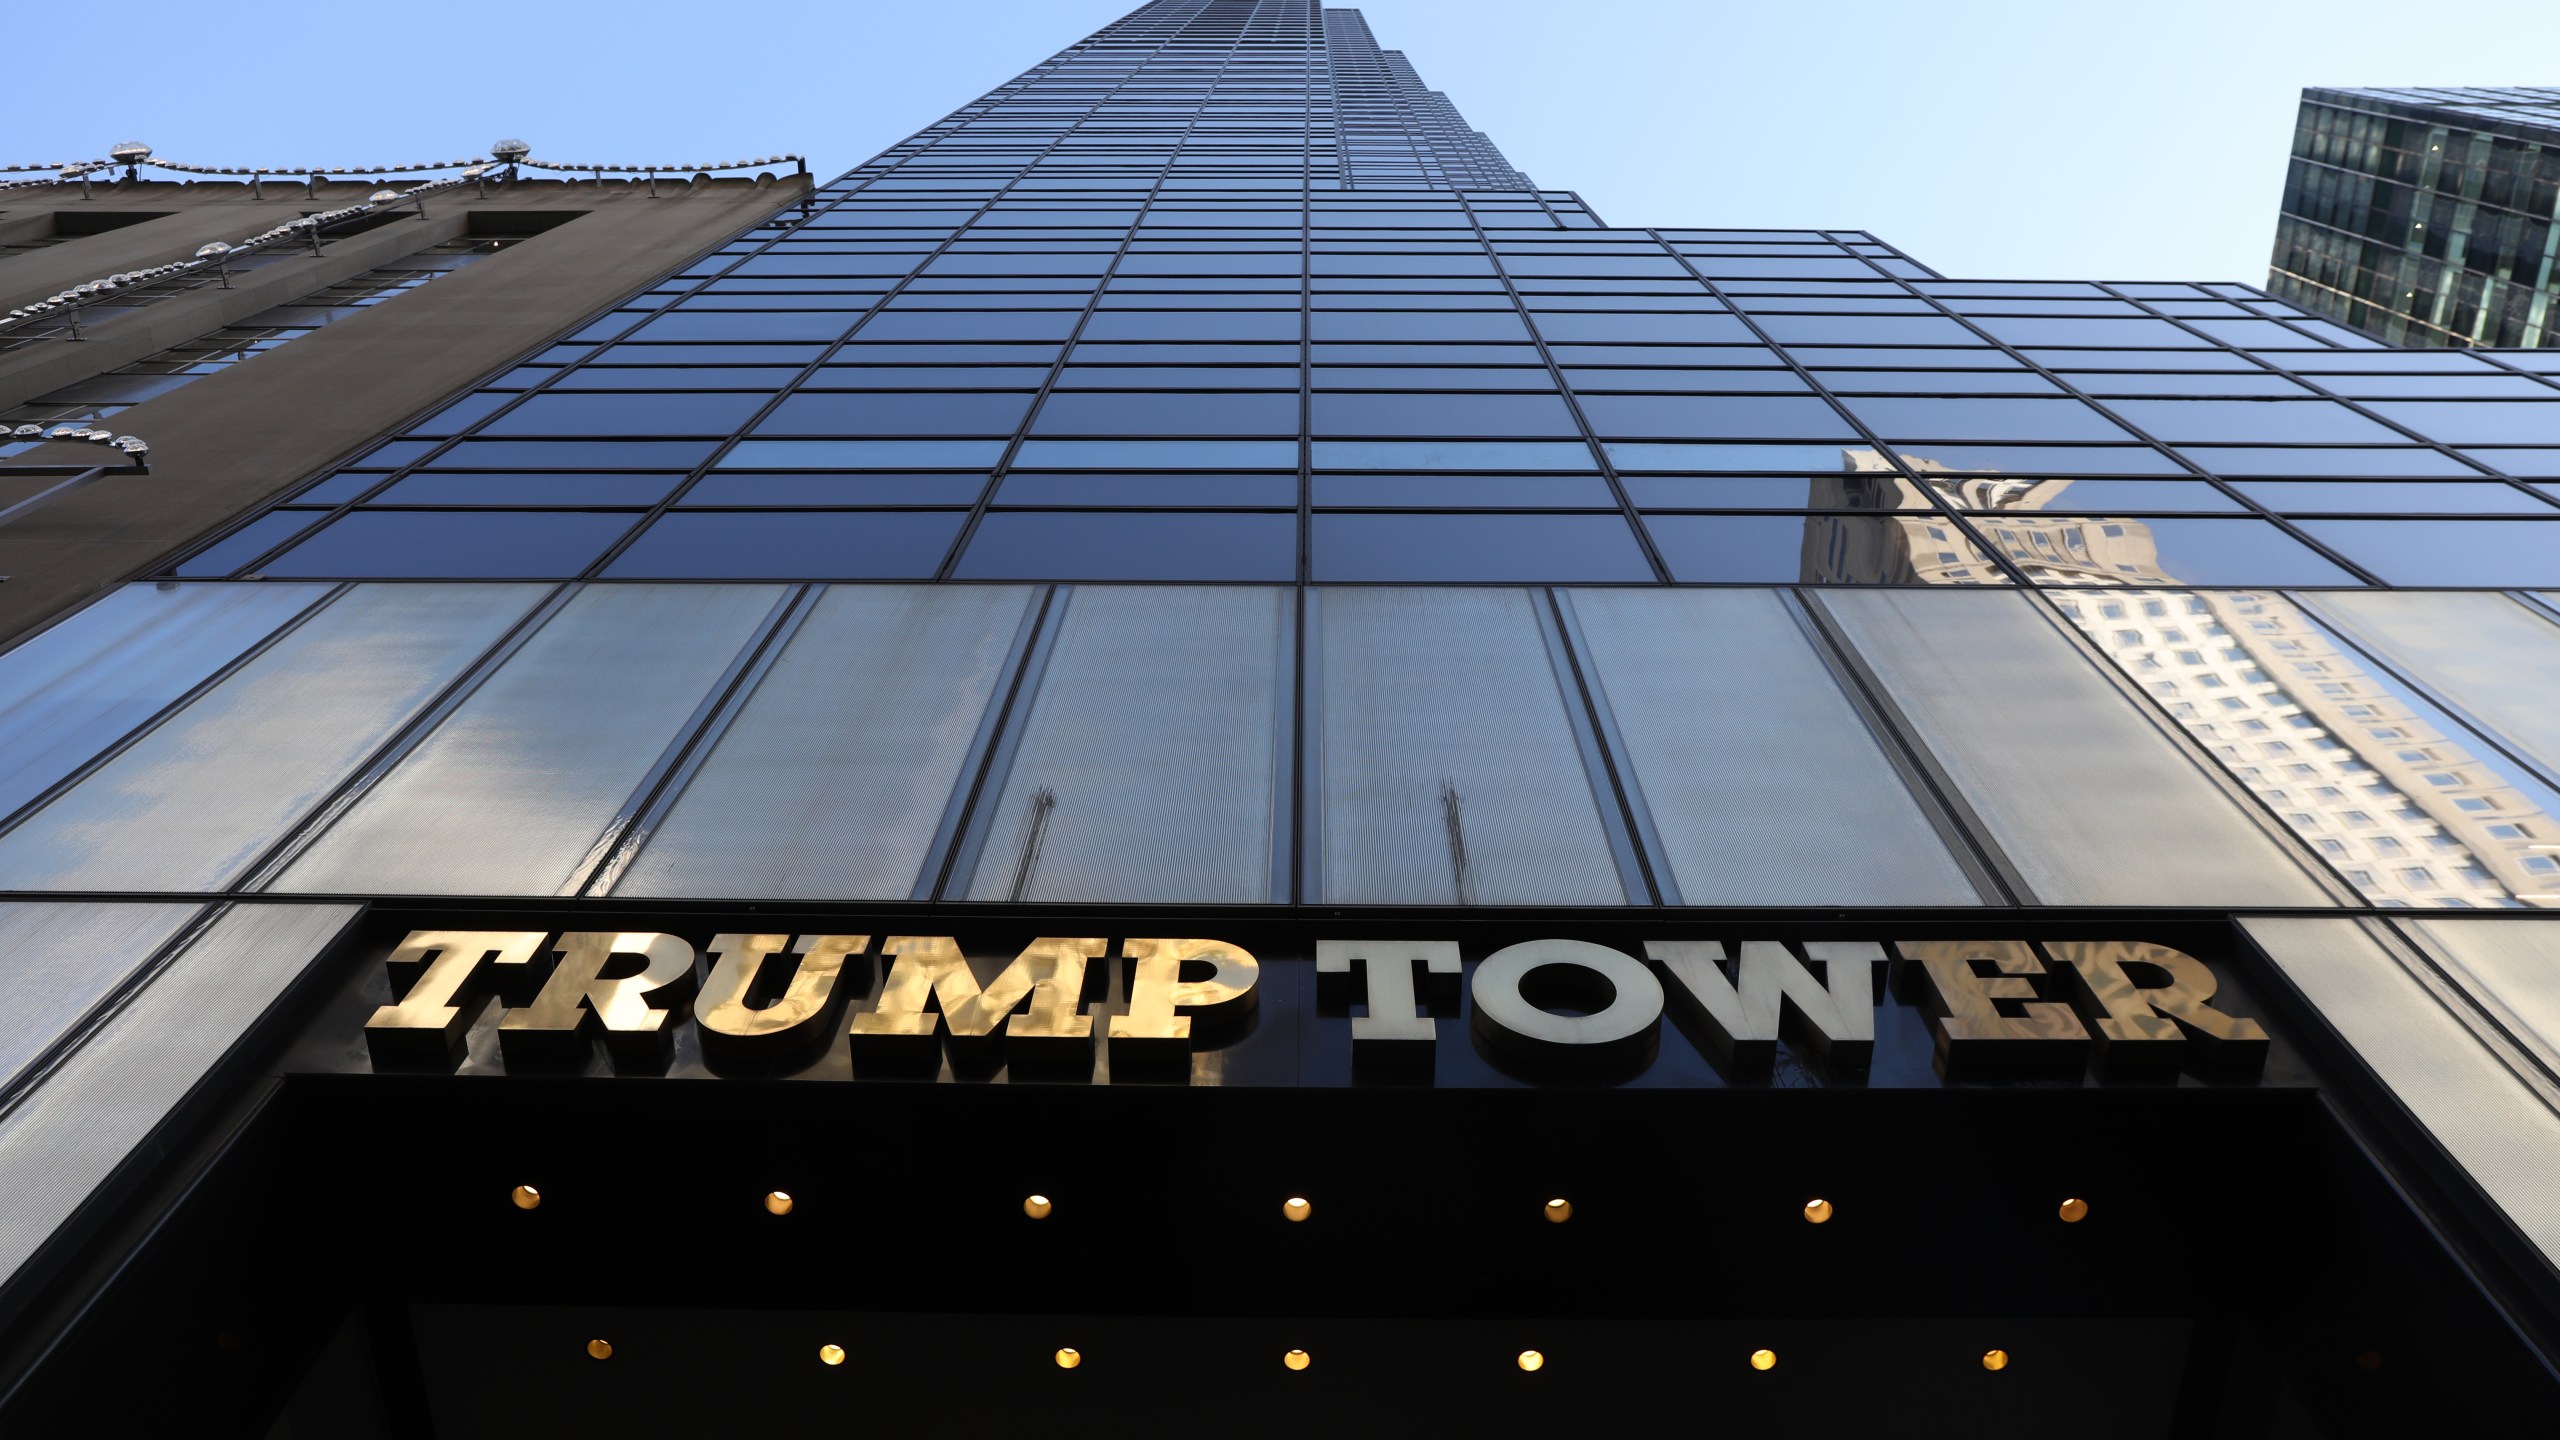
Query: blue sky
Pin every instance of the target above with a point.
(1987, 137)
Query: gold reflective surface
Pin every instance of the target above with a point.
(1817, 1212)
(830, 1354)
(1068, 1357)
(1037, 1206)
(722, 1009)
(429, 1020)
(931, 970)
(525, 1197)
(1995, 1359)
(600, 1349)
(2149, 1004)
(1297, 1360)
(577, 987)
(578, 997)
(1764, 1359)
(1532, 1360)
(1557, 1211)
(1296, 1208)
(778, 1202)
(2073, 1210)
(1966, 1011)
(1163, 1004)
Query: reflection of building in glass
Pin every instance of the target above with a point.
(2410, 814)
(2401, 804)
(1922, 548)
(1909, 543)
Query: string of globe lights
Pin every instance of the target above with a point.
(504, 160)
(132, 155)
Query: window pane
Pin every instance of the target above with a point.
(64, 958)
(199, 798)
(2088, 799)
(1994, 418)
(897, 413)
(1759, 793)
(2496, 659)
(1211, 413)
(2497, 1127)
(832, 780)
(1449, 770)
(791, 545)
(1148, 767)
(2157, 550)
(1472, 415)
(663, 413)
(84, 684)
(2432, 497)
(455, 544)
(1775, 417)
(1054, 545)
(513, 790)
(2447, 552)
(1556, 549)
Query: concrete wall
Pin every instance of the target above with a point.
(238, 439)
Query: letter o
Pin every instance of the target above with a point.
(1620, 1035)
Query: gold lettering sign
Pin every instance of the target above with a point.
(577, 998)
(1163, 1005)
(1965, 1014)
(904, 1028)
(731, 1026)
(1559, 1004)
(444, 994)
(2128, 1013)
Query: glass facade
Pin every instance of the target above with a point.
(2423, 216)
(1203, 474)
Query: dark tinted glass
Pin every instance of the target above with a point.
(455, 544)
(1019, 544)
(791, 545)
(2447, 552)
(1562, 549)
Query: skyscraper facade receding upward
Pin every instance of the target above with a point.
(2423, 215)
(1184, 756)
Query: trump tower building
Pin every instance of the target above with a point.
(1185, 758)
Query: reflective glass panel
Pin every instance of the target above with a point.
(1148, 767)
(1449, 772)
(831, 781)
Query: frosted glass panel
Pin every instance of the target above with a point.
(2093, 804)
(105, 1100)
(196, 800)
(512, 791)
(1146, 766)
(2495, 1128)
(1450, 771)
(81, 686)
(1765, 786)
(57, 960)
(2484, 652)
(2512, 968)
(832, 780)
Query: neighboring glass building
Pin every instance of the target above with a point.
(1695, 825)
(2423, 215)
